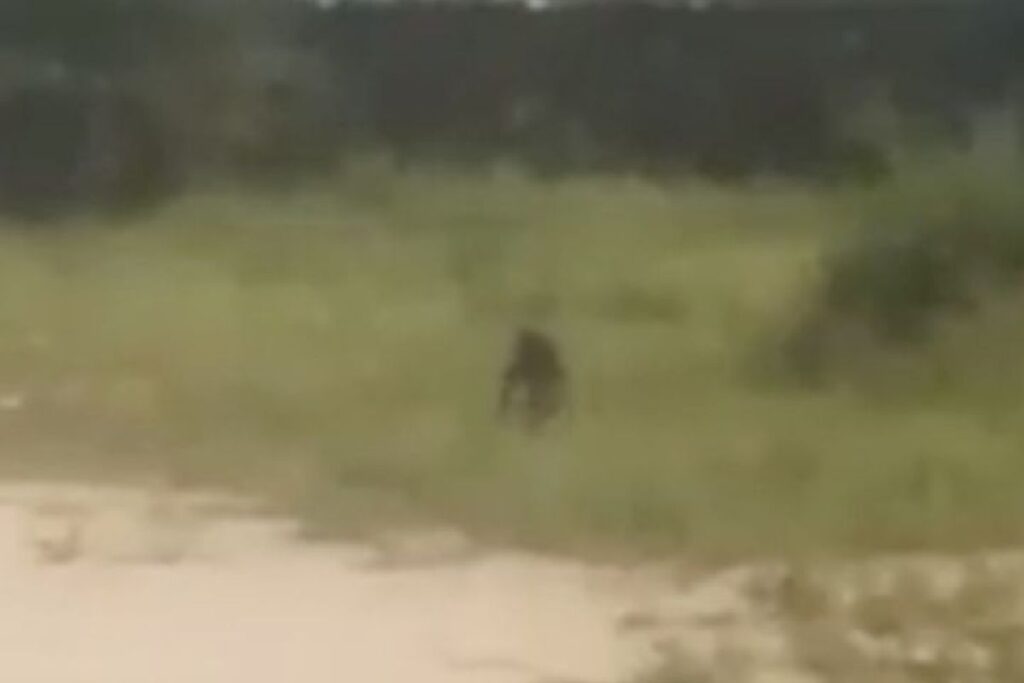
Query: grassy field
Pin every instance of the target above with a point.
(338, 350)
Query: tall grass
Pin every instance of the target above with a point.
(339, 348)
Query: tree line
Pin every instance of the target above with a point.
(122, 102)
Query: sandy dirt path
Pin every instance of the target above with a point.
(120, 585)
(148, 596)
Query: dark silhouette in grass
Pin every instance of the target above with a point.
(534, 383)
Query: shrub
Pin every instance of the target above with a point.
(929, 246)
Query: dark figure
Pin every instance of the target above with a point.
(533, 386)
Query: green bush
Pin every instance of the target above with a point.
(931, 246)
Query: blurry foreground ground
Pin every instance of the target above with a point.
(200, 588)
(238, 598)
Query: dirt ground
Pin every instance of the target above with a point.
(103, 585)
(122, 585)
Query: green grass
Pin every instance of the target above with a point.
(338, 349)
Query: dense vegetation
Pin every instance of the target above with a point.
(338, 348)
(120, 103)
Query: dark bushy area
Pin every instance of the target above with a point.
(639, 86)
(928, 252)
(275, 91)
(118, 104)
